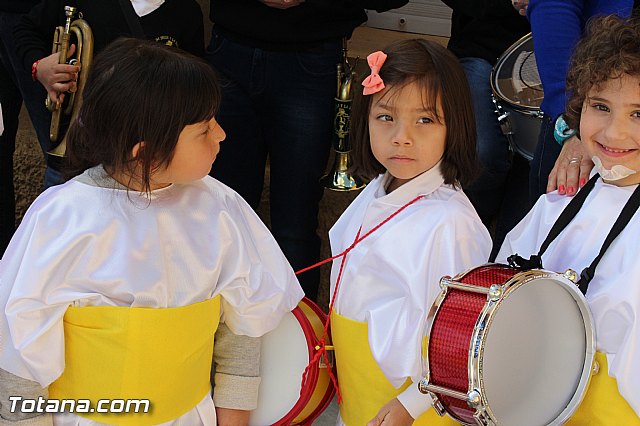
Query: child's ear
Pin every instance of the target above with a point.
(137, 150)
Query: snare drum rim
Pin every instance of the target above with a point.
(487, 315)
(529, 110)
(331, 390)
(311, 335)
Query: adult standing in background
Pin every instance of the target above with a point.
(481, 30)
(15, 86)
(173, 22)
(556, 26)
(277, 63)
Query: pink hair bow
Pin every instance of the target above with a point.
(373, 83)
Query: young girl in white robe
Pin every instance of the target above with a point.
(414, 132)
(604, 104)
(116, 281)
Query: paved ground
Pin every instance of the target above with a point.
(329, 416)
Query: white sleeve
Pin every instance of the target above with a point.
(435, 249)
(256, 283)
(414, 401)
(31, 327)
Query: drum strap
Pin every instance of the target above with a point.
(567, 215)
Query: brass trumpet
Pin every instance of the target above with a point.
(339, 178)
(84, 54)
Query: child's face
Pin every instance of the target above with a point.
(195, 152)
(406, 137)
(610, 125)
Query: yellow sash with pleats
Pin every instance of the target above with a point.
(121, 353)
(603, 404)
(363, 386)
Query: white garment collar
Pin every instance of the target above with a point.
(423, 184)
(145, 7)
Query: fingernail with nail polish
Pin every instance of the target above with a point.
(583, 181)
(570, 190)
(561, 189)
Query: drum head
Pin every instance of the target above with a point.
(535, 353)
(515, 77)
(281, 371)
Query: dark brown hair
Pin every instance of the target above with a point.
(609, 49)
(137, 91)
(438, 72)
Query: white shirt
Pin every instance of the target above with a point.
(391, 278)
(84, 245)
(145, 7)
(614, 292)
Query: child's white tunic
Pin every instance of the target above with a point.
(85, 245)
(391, 278)
(614, 292)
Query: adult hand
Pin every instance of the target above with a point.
(231, 417)
(520, 6)
(57, 78)
(282, 4)
(392, 413)
(571, 170)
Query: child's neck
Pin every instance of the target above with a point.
(133, 181)
(395, 183)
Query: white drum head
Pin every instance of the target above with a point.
(534, 353)
(515, 77)
(284, 356)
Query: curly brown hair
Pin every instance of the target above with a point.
(609, 49)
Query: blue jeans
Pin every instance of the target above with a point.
(499, 194)
(544, 158)
(278, 105)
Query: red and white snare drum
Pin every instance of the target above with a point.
(505, 347)
(285, 353)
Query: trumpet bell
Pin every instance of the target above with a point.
(339, 179)
(83, 35)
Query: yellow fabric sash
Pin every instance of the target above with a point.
(603, 404)
(121, 353)
(363, 386)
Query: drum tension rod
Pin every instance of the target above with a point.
(327, 347)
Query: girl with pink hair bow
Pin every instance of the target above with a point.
(414, 135)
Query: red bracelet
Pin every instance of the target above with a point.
(34, 70)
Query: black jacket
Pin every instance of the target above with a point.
(484, 28)
(17, 6)
(305, 26)
(179, 21)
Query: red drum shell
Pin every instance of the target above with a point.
(451, 333)
(519, 345)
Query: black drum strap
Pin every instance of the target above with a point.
(626, 214)
(567, 215)
(629, 209)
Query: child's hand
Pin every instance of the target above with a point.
(57, 78)
(393, 413)
(231, 417)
